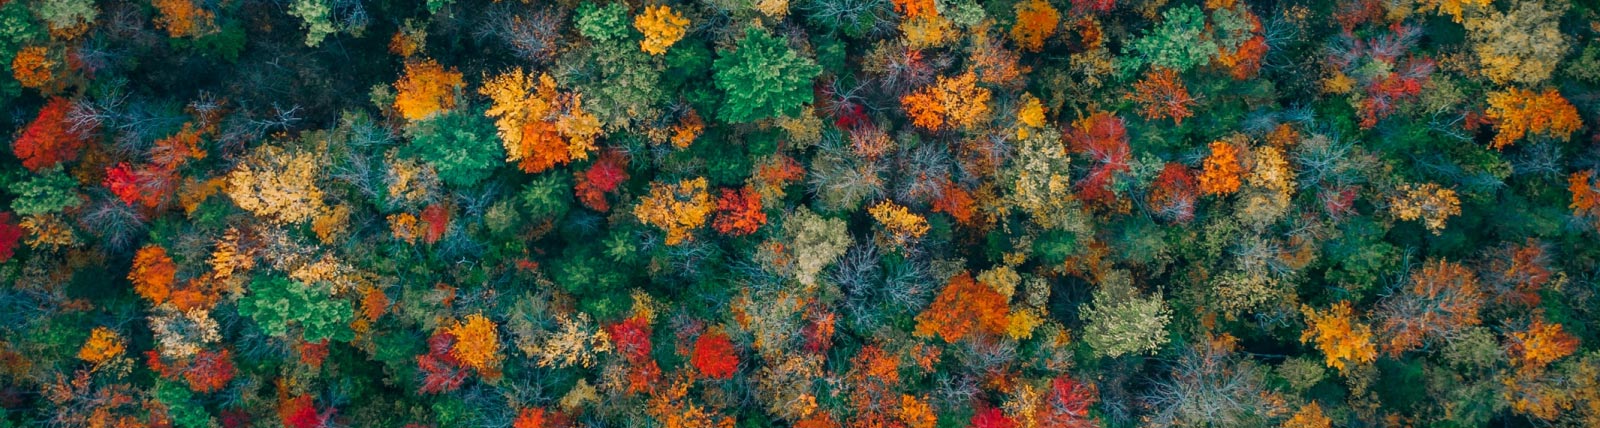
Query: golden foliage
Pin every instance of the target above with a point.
(676, 208)
(953, 103)
(1309, 416)
(1339, 336)
(426, 88)
(1540, 344)
(900, 222)
(477, 343)
(1222, 170)
(1161, 94)
(661, 26)
(279, 186)
(964, 307)
(1429, 202)
(1517, 112)
(103, 345)
(32, 67)
(539, 126)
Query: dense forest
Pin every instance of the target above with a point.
(800, 213)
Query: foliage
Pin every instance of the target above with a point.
(1517, 112)
(761, 78)
(954, 103)
(661, 26)
(459, 145)
(1343, 340)
(426, 89)
(677, 208)
(50, 139)
(277, 304)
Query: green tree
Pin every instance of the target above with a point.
(763, 78)
(276, 303)
(460, 145)
(1179, 42)
(49, 192)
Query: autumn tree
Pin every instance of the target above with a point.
(677, 208)
(50, 139)
(603, 177)
(1438, 300)
(1174, 193)
(1518, 112)
(763, 78)
(1429, 202)
(477, 344)
(183, 18)
(540, 126)
(278, 184)
(1585, 192)
(739, 212)
(903, 225)
(1540, 344)
(661, 26)
(153, 274)
(1103, 138)
(1036, 21)
(952, 103)
(714, 356)
(1342, 339)
(1161, 95)
(1521, 45)
(425, 89)
(1222, 171)
(963, 307)
(103, 345)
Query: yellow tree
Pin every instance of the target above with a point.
(661, 26)
(952, 103)
(1429, 202)
(1517, 112)
(1036, 21)
(678, 208)
(426, 88)
(278, 185)
(1222, 170)
(1339, 336)
(477, 343)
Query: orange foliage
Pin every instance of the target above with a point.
(964, 306)
(739, 212)
(1517, 112)
(153, 274)
(103, 345)
(955, 201)
(1441, 297)
(1173, 194)
(49, 140)
(33, 68)
(1585, 195)
(916, 8)
(175, 150)
(1540, 344)
(1222, 170)
(426, 88)
(952, 103)
(182, 18)
(477, 344)
(1161, 94)
(532, 417)
(1340, 338)
(1036, 20)
(677, 208)
(209, 371)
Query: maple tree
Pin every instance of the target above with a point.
(1440, 299)
(1342, 339)
(10, 236)
(1036, 21)
(50, 138)
(1429, 202)
(1517, 113)
(1174, 193)
(952, 103)
(1102, 137)
(477, 344)
(1222, 169)
(425, 89)
(605, 176)
(1540, 344)
(1161, 95)
(182, 18)
(677, 208)
(153, 274)
(103, 345)
(962, 308)
(714, 356)
(33, 67)
(739, 212)
(661, 26)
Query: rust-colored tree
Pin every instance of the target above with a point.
(51, 138)
(1161, 95)
(1441, 298)
(739, 212)
(964, 307)
(714, 356)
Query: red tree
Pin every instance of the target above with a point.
(49, 140)
(739, 212)
(1174, 193)
(1104, 138)
(10, 234)
(604, 176)
(714, 355)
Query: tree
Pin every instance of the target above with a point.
(477, 345)
(1174, 193)
(426, 89)
(34, 68)
(1439, 300)
(739, 212)
(459, 145)
(902, 225)
(52, 191)
(10, 236)
(1523, 45)
(661, 26)
(1036, 21)
(1517, 112)
(103, 345)
(605, 176)
(1540, 344)
(277, 303)
(952, 103)
(714, 356)
(1585, 195)
(962, 308)
(1161, 94)
(1120, 322)
(1222, 170)
(50, 139)
(182, 18)
(277, 184)
(1429, 202)
(539, 126)
(678, 208)
(1179, 43)
(1341, 338)
(762, 78)
(1102, 137)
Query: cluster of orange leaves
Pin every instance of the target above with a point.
(1540, 344)
(33, 68)
(1342, 339)
(1441, 297)
(900, 222)
(951, 103)
(678, 208)
(1036, 21)
(425, 89)
(49, 140)
(182, 18)
(963, 307)
(540, 126)
(1585, 195)
(1161, 94)
(103, 345)
(477, 343)
(1222, 170)
(739, 212)
(1517, 112)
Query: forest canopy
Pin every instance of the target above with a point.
(800, 213)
